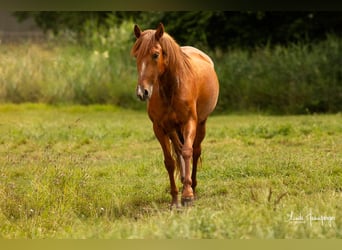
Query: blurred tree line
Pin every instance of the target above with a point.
(213, 29)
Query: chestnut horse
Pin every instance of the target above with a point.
(182, 89)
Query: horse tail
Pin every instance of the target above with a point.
(177, 142)
(178, 167)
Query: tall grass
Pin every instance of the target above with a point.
(299, 78)
(100, 70)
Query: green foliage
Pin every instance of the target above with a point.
(297, 78)
(213, 29)
(97, 172)
(61, 21)
(100, 71)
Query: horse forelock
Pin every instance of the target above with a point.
(143, 44)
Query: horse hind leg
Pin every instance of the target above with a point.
(196, 156)
(200, 134)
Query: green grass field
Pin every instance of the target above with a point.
(97, 172)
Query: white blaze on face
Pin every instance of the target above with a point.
(140, 91)
(144, 89)
(143, 68)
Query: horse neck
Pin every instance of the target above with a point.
(169, 84)
(175, 75)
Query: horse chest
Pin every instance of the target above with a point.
(170, 112)
(167, 120)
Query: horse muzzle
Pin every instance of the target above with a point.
(144, 93)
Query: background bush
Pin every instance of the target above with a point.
(299, 78)
(87, 60)
(100, 70)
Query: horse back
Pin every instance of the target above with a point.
(194, 52)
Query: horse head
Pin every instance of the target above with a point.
(149, 58)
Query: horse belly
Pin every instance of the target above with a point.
(207, 95)
(206, 82)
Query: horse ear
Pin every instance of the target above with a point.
(137, 31)
(159, 31)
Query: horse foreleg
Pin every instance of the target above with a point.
(189, 133)
(168, 161)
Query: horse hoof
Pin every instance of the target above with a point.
(187, 201)
(175, 207)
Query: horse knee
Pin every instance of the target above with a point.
(187, 152)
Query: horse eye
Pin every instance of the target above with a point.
(155, 55)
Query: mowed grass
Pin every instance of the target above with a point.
(97, 172)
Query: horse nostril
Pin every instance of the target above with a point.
(146, 93)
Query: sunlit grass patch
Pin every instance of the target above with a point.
(98, 172)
